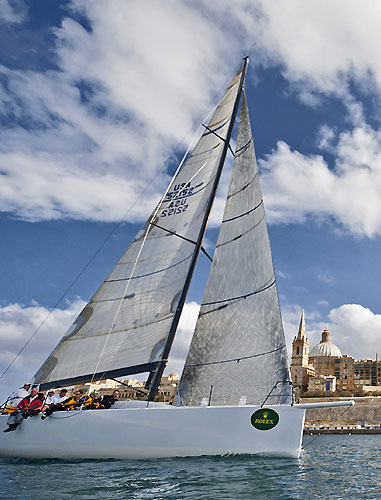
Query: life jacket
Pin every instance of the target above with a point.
(71, 403)
(8, 409)
(91, 402)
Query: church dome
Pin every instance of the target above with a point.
(326, 347)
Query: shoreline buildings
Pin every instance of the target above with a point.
(325, 369)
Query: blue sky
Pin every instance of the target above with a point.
(98, 101)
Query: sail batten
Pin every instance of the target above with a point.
(137, 303)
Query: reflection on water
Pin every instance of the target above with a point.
(330, 467)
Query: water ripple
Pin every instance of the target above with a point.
(330, 468)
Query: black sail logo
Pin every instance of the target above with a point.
(264, 419)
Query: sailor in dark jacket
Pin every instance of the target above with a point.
(29, 406)
(108, 401)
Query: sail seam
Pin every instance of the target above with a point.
(102, 334)
(243, 148)
(237, 360)
(245, 213)
(244, 187)
(210, 131)
(242, 234)
(239, 296)
(224, 119)
(204, 152)
(148, 274)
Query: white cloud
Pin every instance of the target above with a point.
(183, 338)
(297, 186)
(12, 12)
(325, 136)
(17, 324)
(326, 278)
(94, 133)
(355, 329)
(89, 136)
(282, 274)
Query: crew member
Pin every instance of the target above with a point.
(17, 396)
(108, 400)
(72, 403)
(29, 406)
(61, 396)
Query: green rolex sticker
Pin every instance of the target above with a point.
(264, 419)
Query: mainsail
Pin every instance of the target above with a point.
(125, 326)
(238, 347)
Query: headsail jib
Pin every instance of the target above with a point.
(238, 347)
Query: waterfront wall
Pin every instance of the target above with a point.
(366, 410)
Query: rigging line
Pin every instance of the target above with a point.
(237, 360)
(136, 389)
(239, 296)
(156, 211)
(100, 248)
(217, 135)
(333, 422)
(143, 241)
(201, 233)
(116, 227)
(183, 238)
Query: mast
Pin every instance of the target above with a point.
(161, 364)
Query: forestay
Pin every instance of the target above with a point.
(123, 328)
(238, 346)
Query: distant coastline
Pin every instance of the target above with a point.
(307, 432)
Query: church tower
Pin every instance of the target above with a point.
(299, 359)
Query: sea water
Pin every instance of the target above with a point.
(330, 467)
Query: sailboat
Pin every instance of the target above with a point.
(235, 394)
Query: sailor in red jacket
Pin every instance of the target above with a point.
(29, 406)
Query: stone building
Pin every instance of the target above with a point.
(325, 368)
(301, 370)
(325, 383)
(134, 389)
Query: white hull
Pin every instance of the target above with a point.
(161, 431)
